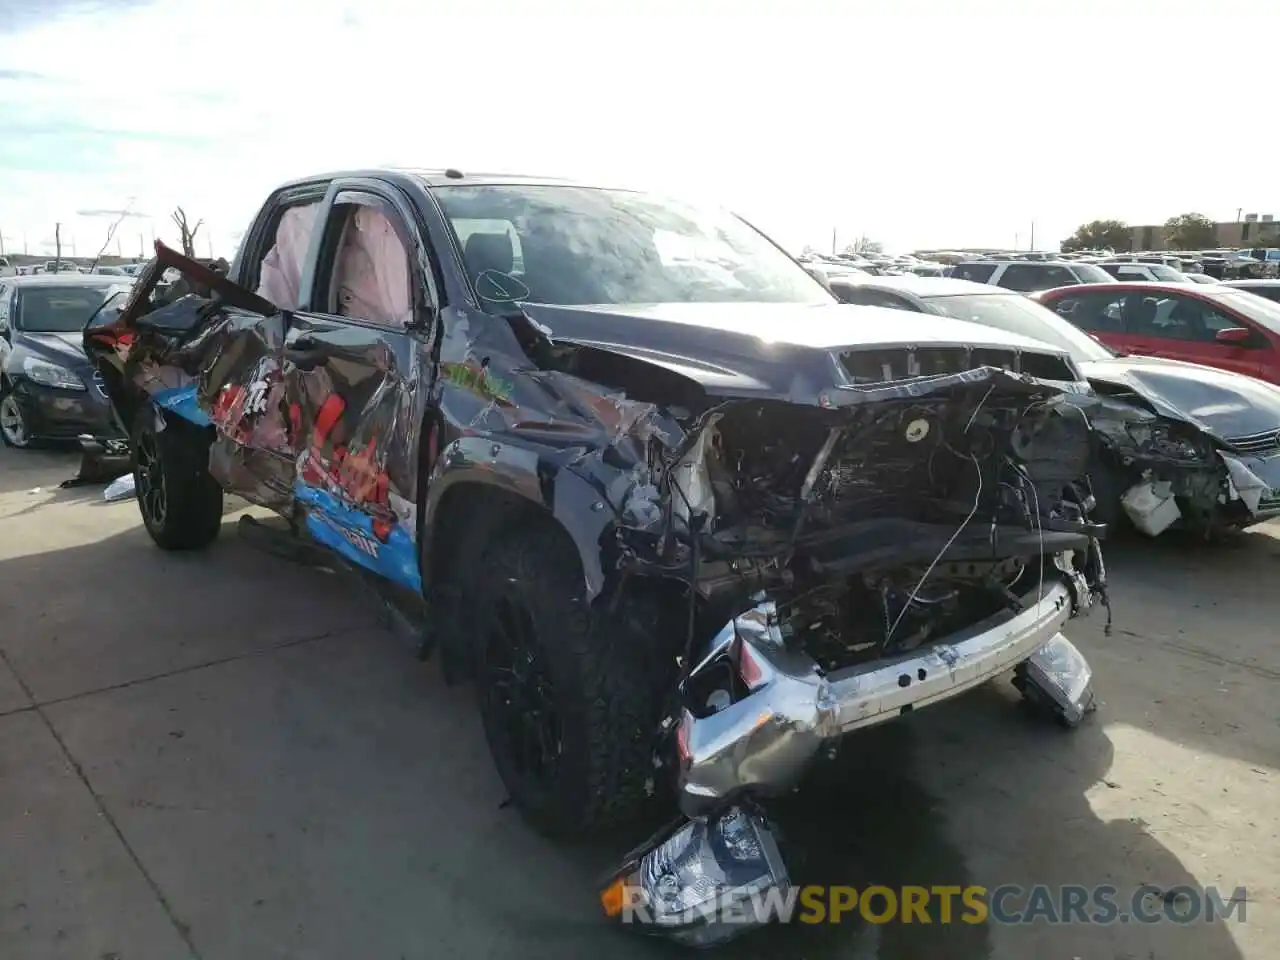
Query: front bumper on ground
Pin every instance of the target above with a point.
(763, 742)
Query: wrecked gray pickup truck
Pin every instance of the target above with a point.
(684, 519)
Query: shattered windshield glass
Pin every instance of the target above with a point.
(579, 245)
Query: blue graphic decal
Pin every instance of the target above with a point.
(182, 401)
(349, 532)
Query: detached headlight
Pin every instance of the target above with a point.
(51, 375)
(1062, 674)
(711, 880)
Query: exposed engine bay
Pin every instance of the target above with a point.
(858, 563)
(880, 528)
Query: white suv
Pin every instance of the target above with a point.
(1028, 276)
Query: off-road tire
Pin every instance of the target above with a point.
(609, 678)
(178, 457)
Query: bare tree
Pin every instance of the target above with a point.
(187, 231)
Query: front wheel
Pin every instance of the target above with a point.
(180, 502)
(14, 430)
(570, 700)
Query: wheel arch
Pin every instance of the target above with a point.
(467, 506)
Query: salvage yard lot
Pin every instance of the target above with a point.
(225, 756)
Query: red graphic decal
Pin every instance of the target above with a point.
(353, 473)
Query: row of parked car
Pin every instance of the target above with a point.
(1225, 264)
(8, 269)
(1193, 368)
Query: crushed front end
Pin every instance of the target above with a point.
(848, 565)
(1169, 471)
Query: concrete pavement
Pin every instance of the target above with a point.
(224, 756)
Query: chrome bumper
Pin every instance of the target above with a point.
(764, 741)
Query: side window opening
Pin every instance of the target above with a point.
(280, 272)
(370, 278)
(1058, 277)
(977, 272)
(1021, 277)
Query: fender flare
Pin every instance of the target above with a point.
(565, 497)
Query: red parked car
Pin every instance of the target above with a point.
(1215, 325)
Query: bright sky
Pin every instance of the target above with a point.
(919, 124)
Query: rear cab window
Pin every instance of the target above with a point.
(1029, 277)
(977, 272)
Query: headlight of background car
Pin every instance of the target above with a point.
(50, 374)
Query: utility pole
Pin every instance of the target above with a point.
(57, 247)
(833, 241)
(1033, 236)
(1, 243)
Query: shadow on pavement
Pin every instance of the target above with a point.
(22, 470)
(1192, 658)
(340, 788)
(973, 792)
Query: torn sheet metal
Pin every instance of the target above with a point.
(1245, 484)
(329, 433)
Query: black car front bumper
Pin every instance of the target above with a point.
(85, 416)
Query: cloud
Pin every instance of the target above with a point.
(804, 116)
(17, 16)
(23, 76)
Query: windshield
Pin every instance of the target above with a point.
(1161, 272)
(50, 309)
(1018, 314)
(578, 245)
(1263, 312)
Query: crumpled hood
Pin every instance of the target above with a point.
(1221, 403)
(782, 350)
(63, 348)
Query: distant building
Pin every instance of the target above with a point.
(1232, 234)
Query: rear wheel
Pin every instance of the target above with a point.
(180, 502)
(13, 422)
